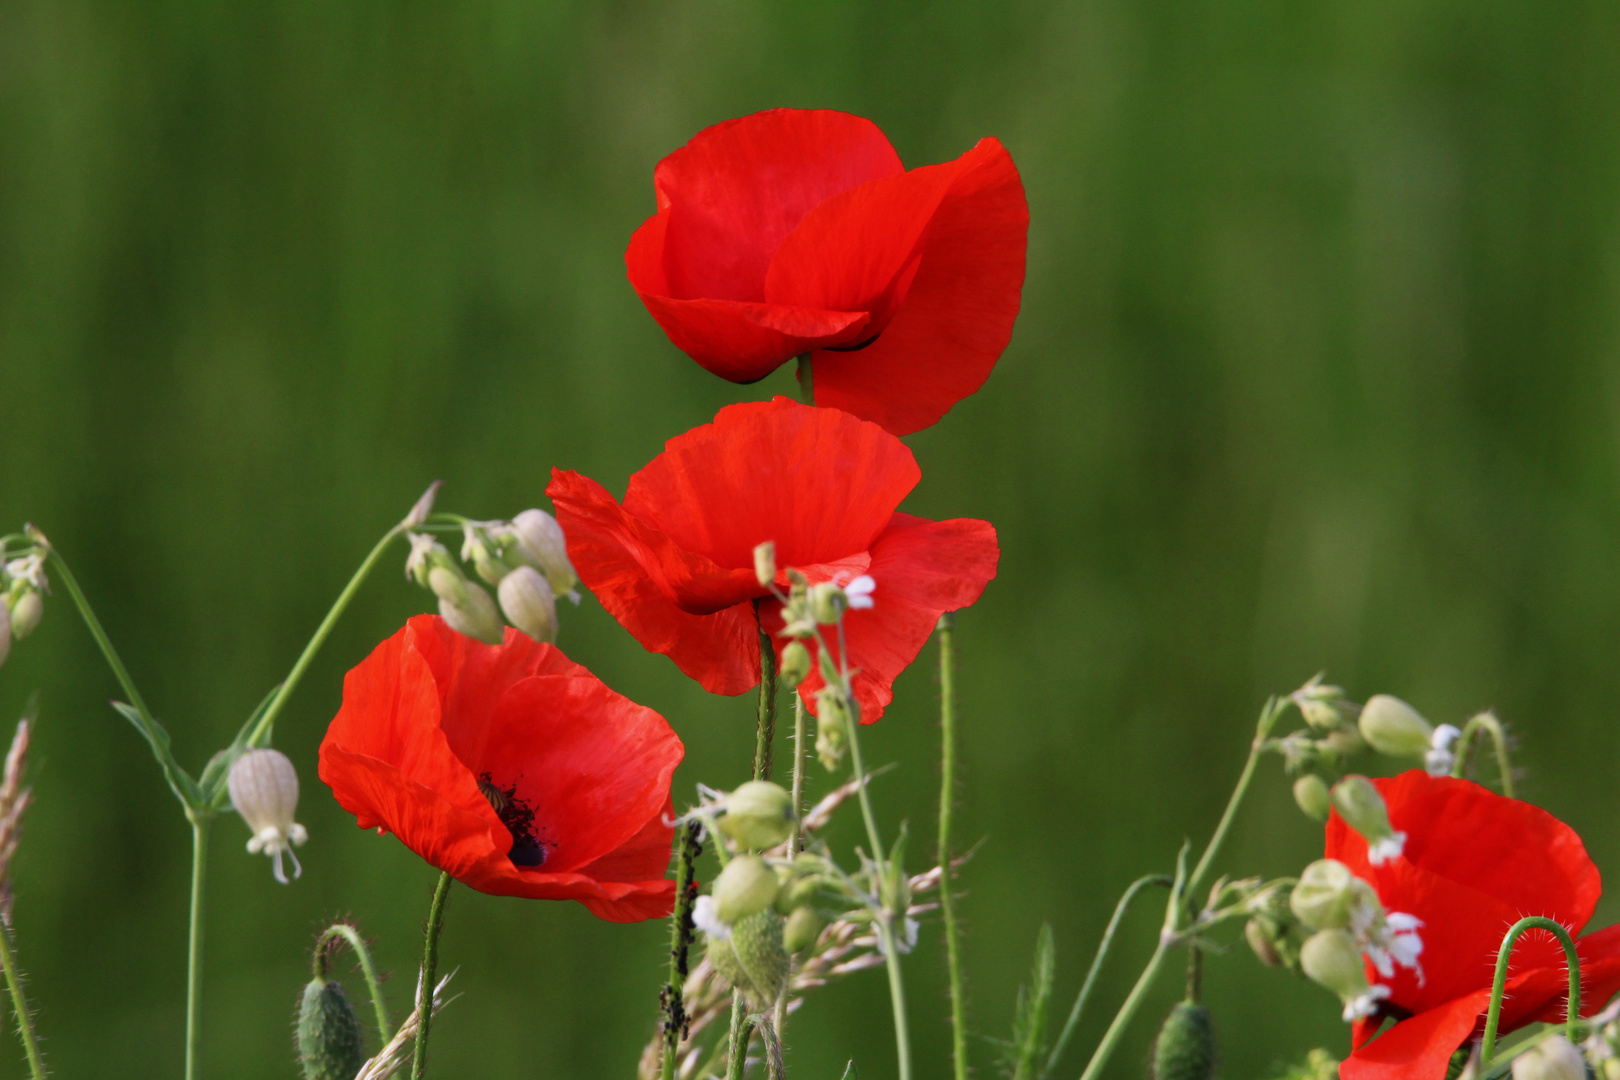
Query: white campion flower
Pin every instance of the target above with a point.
(859, 592)
(1364, 1005)
(1441, 756)
(706, 917)
(264, 789)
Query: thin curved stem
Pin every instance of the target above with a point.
(765, 734)
(1103, 947)
(1127, 1011)
(947, 799)
(1488, 723)
(1206, 862)
(200, 828)
(120, 672)
(19, 1004)
(351, 936)
(1572, 1007)
(430, 970)
(266, 723)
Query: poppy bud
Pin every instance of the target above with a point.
(1331, 958)
(541, 543)
(264, 789)
(759, 815)
(802, 929)
(1311, 793)
(1393, 727)
(465, 606)
(478, 549)
(826, 602)
(794, 664)
(765, 563)
(330, 1046)
(529, 603)
(1185, 1048)
(747, 885)
(832, 726)
(1326, 895)
(1554, 1058)
(1363, 809)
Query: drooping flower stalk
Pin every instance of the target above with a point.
(1572, 1008)
(348, 934)
(947, 799)
(430, 967)
(1488, 723)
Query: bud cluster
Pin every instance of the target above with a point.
(525, 560)
(1315, 755)
(1393, 727)
(23, 587)
(1348, 923)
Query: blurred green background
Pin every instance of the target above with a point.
(1316, 369)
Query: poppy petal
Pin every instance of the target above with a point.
(922, 569)
(958, 314)
(738, 188)
(819, 483)
(1419, 1048)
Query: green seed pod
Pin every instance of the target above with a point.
(745, 886)
(794, 665)
(759, 815)
(329, 1042)
(1311, 793)
(1185, 1049)
(1393, 727)
(757, 941)
(802, 929)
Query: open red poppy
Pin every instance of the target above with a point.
(510, 767)
(1474, 863)
(798, 231)
(675, 564)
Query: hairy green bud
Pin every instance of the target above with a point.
(752, 959)
(1185, 1048)
(330, 1046)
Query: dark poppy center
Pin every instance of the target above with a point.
(518, 817)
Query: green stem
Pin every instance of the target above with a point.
(1487, 722)
(19, 1004)
(1096, 966)
(349, 934)
(1127, 1012)
(266, 723)
(200, 828)
(766, 731)
(742, 1031)
(947, 797)
(780, 1014)
(1206, 862)
(807, 386)
(688, 847)
(120, 672)
(1572, 1006)
(885, 922)
(430, 971)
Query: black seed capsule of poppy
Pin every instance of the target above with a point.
(330, 1046)
(1185, 1048)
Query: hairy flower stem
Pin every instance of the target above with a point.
(1572, 1005)
(947, 799)
(688, 845)
(742, 1032)
(267, 722)
(885, 921)
(779, 1017)
(351, 936)
(1103, 947)
(430, 968)
(1488, 723)
(19, 1004)
(766, 731)
(201, 826)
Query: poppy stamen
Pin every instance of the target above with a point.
(518, 817)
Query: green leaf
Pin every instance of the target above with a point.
(1028, 1046)
(180, 782)
(849, 1071)
(217, 774)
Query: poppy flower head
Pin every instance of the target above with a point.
(510, 767)
(1473, 863)
(794, 232)
(674, 563)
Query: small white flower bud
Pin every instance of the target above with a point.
(465, 606)
(759, 815)
(1363, 809)
(423, 507)
(426, 553)
(1393, 727)
(1328, 893)
(543, 545)
(765, 563)
(264, 789)
(745, 887)
(1554, 1058)
(26, 611)
(1441, 756)
(826, 602)
(794, 665)
(529, 603)
(1332, 959)
(1311, 793)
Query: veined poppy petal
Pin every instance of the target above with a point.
(1419, 1048)
(958, 314)
(738, 188)
(643, 857)
(922, 569)
(819, 483)
(746, 342)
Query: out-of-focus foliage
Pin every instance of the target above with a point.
(1319, 367)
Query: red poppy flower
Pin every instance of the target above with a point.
(675, 564)
(1474, 863)
(798, 231)
(510, 767)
